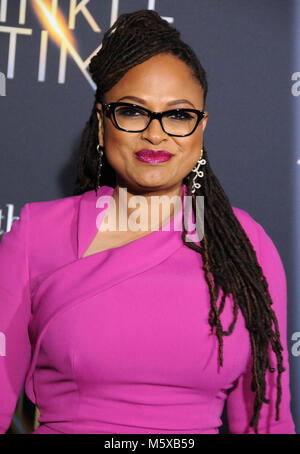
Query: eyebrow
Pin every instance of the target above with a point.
(170, 103)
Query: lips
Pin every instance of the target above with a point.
(153, 156)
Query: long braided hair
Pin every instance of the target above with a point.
(225, 248)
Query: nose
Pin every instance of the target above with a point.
(154, 131)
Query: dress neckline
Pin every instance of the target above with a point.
(92, 212)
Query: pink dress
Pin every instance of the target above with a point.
(119, 342)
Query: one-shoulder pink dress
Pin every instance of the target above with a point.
(119, 342)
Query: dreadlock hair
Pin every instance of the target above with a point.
(226, 251)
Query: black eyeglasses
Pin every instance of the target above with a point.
(133, 118)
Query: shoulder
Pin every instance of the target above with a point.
(49, 226)
(52, 223)
(52, 209)
(47, 232)
(38, 217)
(266, 251)
(249, 224)
(253, 229)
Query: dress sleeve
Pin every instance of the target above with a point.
(15, 311)
(240, 401)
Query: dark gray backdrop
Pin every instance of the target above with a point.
(248, 50)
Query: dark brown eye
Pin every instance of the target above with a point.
(126, 111)
(179, 115)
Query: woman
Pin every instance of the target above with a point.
(144, 330)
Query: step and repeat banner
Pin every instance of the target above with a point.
(251, 52)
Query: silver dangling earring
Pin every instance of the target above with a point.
(199, 173)
(100, 149)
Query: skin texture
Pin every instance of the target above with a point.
(158, 80)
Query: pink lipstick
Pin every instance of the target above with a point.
(152, 156)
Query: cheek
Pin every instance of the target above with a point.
(114, 138)
(118, 146)
(191, 152)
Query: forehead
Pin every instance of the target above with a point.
(160, 78)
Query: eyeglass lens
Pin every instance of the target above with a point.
(174, 122)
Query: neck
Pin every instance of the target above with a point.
(144, 211)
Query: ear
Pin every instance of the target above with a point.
(100, 117)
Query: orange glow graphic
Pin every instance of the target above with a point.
(54, 24)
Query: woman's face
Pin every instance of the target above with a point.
(157, 81)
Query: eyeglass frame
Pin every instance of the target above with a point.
(111, 107)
